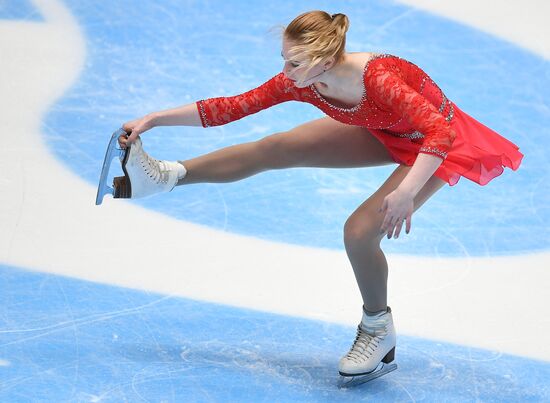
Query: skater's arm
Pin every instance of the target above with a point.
(186, 115)
(222, 110)
(215, 111)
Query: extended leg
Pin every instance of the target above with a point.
(320, 143)
(227, 164)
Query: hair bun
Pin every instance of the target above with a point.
(333, 16)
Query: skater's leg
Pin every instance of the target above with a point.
(372, 353)
(226, 164)
(362, 238)
(322, 142)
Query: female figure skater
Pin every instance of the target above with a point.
(381, 109)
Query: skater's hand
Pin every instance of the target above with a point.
(398, 206)
(133, 129)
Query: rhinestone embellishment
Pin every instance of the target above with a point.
(451, 113)
(203, 114)
(363, 96)
(433, 150)
(414, 135)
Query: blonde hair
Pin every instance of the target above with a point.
(318, 36)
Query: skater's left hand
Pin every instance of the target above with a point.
(135, 128)
(398, 206)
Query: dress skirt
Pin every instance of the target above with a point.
(478, 153)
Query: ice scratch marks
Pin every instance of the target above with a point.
(163, 354)
(225, 207)
(381, 30)
(474, 377)
(45, 330)
(75, 332)
(396, 382)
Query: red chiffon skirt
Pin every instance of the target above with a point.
(478, 153)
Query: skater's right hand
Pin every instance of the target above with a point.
(133, 129)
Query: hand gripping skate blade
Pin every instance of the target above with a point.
(112, 152)
(350, 381)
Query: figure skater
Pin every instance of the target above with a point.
(382, 109)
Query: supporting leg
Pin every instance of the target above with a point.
(362, 238)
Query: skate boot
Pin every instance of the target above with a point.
(143, 175)
(372, 351)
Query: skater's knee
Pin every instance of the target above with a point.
(361, 229)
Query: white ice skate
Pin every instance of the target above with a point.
(372, 351)
(143, 175)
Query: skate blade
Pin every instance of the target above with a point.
(112, 152)
(351, 381)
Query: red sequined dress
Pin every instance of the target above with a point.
(403, 108)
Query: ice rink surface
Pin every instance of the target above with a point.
(242, 291)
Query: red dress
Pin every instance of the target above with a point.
(403, 108)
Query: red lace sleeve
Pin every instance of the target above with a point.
(392, 91)
(222, 110)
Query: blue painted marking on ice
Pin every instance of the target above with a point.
(70, 340)
(145, 56)
(19, 10)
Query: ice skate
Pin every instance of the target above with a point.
(143, 175)
(372, 351)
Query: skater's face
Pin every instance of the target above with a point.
(295, 67)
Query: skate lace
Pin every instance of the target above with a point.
(367, 339)
(153, 169)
